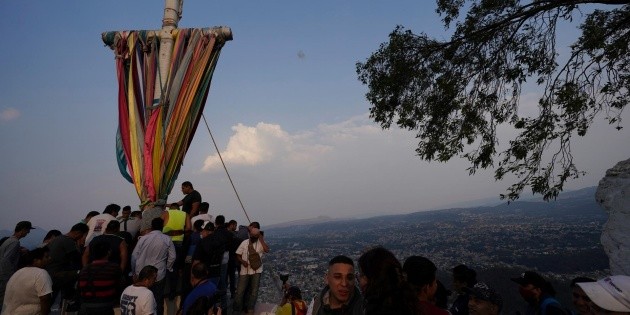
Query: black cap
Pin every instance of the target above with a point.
(24, 225)
(481, 291)
(530, 277)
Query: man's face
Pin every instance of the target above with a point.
(481, 307)
(458, 285)
(341, 280)
(186, 190)
(530, 293)
(24, 232)
(126, 213)
(580, 300)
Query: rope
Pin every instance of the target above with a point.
(225, 168)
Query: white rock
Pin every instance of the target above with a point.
(613, 194)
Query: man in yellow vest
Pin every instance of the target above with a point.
(177, 226)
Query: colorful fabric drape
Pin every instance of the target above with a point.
(154, 134)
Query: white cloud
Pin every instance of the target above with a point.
(265, 143)
(9, 114)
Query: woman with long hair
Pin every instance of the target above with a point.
(382, 283)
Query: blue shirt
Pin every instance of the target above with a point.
(204, 289)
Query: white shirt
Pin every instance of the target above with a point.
(24, 289)
(205, 217)
(243, 250)
(97, 225)
(137, 301)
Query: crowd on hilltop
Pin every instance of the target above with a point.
(385, 286)
(179, 255)
(175, 254)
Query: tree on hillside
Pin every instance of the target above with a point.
(455, 93)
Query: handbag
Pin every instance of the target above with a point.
(253, 257)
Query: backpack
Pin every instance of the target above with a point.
(253, 257)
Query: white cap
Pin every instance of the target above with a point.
(611, 293)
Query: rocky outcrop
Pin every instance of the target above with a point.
(613, 194)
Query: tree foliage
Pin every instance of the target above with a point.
(456, 93)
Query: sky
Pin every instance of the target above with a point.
(286, 109)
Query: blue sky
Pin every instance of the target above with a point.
(285, 107)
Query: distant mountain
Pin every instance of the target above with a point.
(320, 219)
(576, 202)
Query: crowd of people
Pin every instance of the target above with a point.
(142, 260)
(138, 261)
(383, 286)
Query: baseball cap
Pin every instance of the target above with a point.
(530, 277)
(611, 293)
(24, 225)
(483, 292)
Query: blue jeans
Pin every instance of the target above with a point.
(251, 282)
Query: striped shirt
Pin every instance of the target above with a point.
(99, 282)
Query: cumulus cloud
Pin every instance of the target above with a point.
(264, 143)
(9, 114)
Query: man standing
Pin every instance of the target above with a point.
(463, 277)
(117, 245)
(201, 284)
(65, 261)
(190, 203)
(421, 274)
(149, 214)
(98, 223)
(482, 300)
(29, 289)
(204, 207)
(232, 262)
(249, 253)
(137, 299)
(10, 254)
(176, 226)
(539, 294)
(609, 296)
(125, 214)
(340, 295)
(155, 249)
(99, 281)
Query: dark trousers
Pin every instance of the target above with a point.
(96, 309)
(158, 293)
(231, 276)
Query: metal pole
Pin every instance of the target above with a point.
(172, 15)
